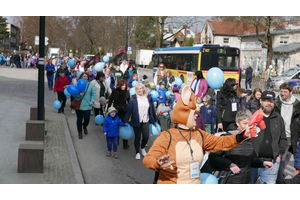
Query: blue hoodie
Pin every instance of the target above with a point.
(161, 93)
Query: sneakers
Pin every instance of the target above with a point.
(115, 155)
(143, 151)
(138, 156)
(108, 154)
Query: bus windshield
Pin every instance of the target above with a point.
(227, 59)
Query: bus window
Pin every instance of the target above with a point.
(221, 61)
(174, 61)
(194, 64)
(180, 62)
(207, 61)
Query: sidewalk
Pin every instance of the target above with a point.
(60, 161)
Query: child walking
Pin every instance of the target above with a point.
(60, 84)
(111, 131)
(209, 115)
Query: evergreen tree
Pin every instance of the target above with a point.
(3, 30)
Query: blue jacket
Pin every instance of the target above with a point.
(129, 81)
(50, 68)
(297, 157)
(161, 93)
(170, 100)
(208, 114)
(111, 126)
(133, 109)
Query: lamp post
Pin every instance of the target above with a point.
(41, 65)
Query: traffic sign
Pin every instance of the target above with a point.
(129, 49)
(37, 40)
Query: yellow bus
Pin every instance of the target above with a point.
(185, 61)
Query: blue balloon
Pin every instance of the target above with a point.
(105, 59)
(66, 92)
(158, 127)
(81, 85)
(134, 83)
(73, 90)
(99, 119)
(168, 93)
(215, 78)
(153, 130)
(28, 64)
(178, 81)
(71, 62)
(126, 132)
(57, 104)
(132, 91)
(207, 178)
(99, 66)
(79, 73)
(154, 94)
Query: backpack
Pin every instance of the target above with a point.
(157, 172)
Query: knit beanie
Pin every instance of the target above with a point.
(175, 88)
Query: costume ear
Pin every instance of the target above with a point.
(186, 93)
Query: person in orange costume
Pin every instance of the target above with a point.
(179, 164)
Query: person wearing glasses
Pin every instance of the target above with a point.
(270, 143)
(228, 103)
(160, 74)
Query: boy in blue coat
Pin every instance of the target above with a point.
(208, 114)
(161, 94)
(111, 130)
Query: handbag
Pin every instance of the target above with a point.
(75, 104)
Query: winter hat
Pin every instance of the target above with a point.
(111, 109)
(164, 109)
(145, 77)
(146, 82)
(161, 83)
(102, 100)
(175, 88)
(151, 84)
(206, 98)
(89, 70)
(185, 108)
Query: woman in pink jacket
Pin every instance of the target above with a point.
(199, 84)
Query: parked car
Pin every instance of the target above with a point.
(293, 73)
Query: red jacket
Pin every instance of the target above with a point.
(60, 83)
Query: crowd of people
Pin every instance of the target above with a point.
(18, 60)
(189, 116)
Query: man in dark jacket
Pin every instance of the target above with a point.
(289, 108)
(270, 143)
(249, 72)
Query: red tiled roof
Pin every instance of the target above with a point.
(231, 28)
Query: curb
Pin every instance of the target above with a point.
(74, 159)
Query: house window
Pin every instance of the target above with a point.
(226, 41)
(284, 40)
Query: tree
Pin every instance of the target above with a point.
(261, 24)
(3, 30)
(176, 22)
(188, 43)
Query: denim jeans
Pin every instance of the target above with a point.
(248, 81)
(266, 176)
(112, 141)
(50, 81)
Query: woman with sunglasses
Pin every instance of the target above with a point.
(228, 103)
(160, 74)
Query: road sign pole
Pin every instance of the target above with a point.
(41, 65)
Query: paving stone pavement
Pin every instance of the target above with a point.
(17, 96)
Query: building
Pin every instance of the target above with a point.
(285, 37)
(178, 39)
(12, 41)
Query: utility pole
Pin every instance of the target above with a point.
(41, 65)
(126, 39)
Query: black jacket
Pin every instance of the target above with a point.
(241, 155)
(120, 99)
(253, 105)
(295, 123)
(279, 141)
(224, 109)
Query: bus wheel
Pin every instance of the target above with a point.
(182, 78)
